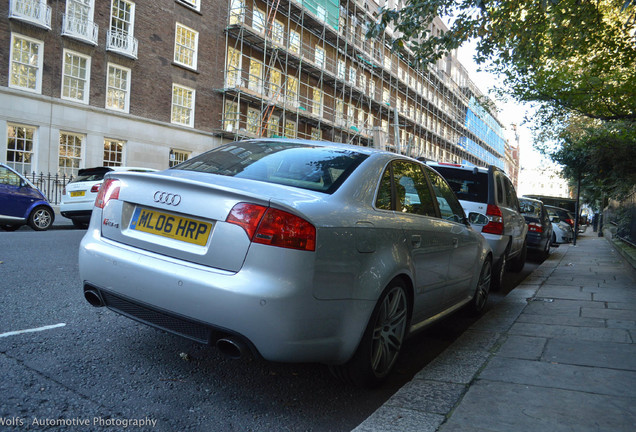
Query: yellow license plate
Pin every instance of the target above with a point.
(170, 226)
(78, 193)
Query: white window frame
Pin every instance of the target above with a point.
(291, 91)
(186, 49)
(231, 116)
(237, 11)
(37, 66)
(68, 79)
(278, 32)
(122, 153)
(234, 71)
(125, 90)
(258, 20)
(253, 118)
(22, 150)
(176, 156)
(255, 78)
(316, 133)
(290, 125)
(194, 4)
(77, 161)
(130, 30)
(179, 105)
(294, 41)
(353, 73)
(342, 69)
(273, 126)
(319, 56)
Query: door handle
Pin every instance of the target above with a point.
(416, 241)
(455, 242)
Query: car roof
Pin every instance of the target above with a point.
(536, 201)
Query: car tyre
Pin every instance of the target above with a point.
(546, 250)
(40, 219)
(478, 303)
(498, 271)
(381, 342)
(520, 261)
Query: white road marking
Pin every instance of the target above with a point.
(17, 332)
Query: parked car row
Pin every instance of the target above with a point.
(300, 251)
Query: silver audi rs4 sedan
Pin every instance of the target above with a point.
(295, 251)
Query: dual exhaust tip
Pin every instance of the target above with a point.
(229, 346)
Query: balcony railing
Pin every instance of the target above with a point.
(121, 43)
(35, 12)
(80, 29)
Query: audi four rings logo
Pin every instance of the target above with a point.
(167, 198)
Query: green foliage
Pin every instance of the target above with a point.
(573, 59)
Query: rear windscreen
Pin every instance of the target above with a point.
(530, 208)
(467, 185)
(90, 175)
(304, 166)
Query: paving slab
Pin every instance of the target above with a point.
(523, 347)
(591, 353)
(612, 382)
(508, 407)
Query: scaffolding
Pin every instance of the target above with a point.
(304, 69)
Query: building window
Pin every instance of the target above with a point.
(185, 46)
(182, 105)
(341, 69)
(253, 116)
(234, 60)
(278, 32)
(350, 115)
(290, 129)
(273, 126)
(26, 63)
(274, 83)
(316, 133)
(387, 61)
(113, 152)
(321, 13)
(294, 41)
(194, 4)
(122, 20)
(237, 11)
(258, 20)
(78, 21)
(118, 88)
(70, 153)
(352, 75)
(292, 91)
(231, 117)
(363, 81)
(339, 112)
(255, 80)
(316, 107)
(319, 56)
(20, 143)
(177, 156)
(76, 76)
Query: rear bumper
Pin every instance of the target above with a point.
(275, 313)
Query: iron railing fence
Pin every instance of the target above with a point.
(51, 185)
(622, 214)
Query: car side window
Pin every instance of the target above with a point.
(8, 177)
(383, 200)
(412, 192)
(499, 186)
(511, 195)
(449, 206)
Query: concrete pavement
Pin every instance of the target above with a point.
(558, 353)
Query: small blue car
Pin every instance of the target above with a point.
(21, 203)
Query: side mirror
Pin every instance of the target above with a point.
(555, 219)
(477, 218)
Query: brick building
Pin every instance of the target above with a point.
(90, 83)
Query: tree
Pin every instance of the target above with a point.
(567, 55)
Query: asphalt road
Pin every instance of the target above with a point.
(95, 370)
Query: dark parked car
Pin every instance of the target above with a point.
(564, 215)
(21, 203)
(539, 226)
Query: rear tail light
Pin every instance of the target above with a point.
(570, 222)
(108, 191)
(535, 227)
(495, 220)
(273, 227)
(95, 187)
